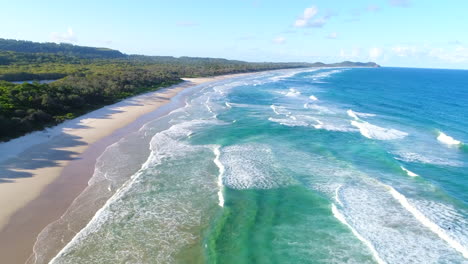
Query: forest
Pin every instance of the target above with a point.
(87, 78)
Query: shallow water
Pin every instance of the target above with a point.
(295, 166)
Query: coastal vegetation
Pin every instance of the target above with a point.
(87, 78)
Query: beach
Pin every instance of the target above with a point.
(312, 165)
(43, 172)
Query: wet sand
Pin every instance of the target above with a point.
(43, 176)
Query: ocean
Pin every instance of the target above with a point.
(331, 165)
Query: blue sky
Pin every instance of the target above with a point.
(407, 33)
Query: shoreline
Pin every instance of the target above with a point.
(48, 176)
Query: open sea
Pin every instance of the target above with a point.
(361, 165)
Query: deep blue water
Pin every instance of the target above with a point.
(363, 165)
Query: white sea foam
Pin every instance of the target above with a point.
(448, 139)
(364, 114)
(319, 108)
(375, 132)
(427, 222)
(410, 173)
(356, 115)
(292, 121)
(325, 74)
(293, 93)
(280, 110)
(207, 105)
(228, 105)
(342, 219)
(313, 98)
(352, 114)
(419, 158)
(337, 195)
(220, 176)
(319, 124)
(274, 107)
(251, 166)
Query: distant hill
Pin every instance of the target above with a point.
(87, 78)
(354, 64)
(59, 49)
(35, 52)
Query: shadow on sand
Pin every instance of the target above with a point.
(49, 149)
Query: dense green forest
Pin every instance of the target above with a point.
(88, 78)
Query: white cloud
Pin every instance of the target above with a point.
(375, 53)
(303, 20)
(307, 18)
(455, 55)
(404, 51)
(279, 40)
(68, 36)
(332, 35)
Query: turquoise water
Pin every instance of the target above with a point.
(305, 166)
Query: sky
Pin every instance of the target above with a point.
(403, 33)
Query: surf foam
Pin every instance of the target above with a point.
(342, 219)
(375, 132)
(410, 173)
(427, 222)
(221, 168)
(448, 139)
(251, 166)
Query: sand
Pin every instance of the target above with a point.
(30, 166)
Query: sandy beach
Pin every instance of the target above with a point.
(43, 172)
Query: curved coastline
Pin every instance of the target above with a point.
(68, 179)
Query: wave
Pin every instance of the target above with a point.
(352, 114)
(337, 195)
(251, 166)
(427, 222)
(220, 176)
(292, 121)
(448, 139)
(164, 145)
(313, 98)
(410, 173)
(318, 108)
(356, 115)
(293, 93)
(342, 219)
(332, 127)
(418, 158)
(326, 74)
(375, 132)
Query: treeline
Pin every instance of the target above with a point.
(60, 49)
(88, 78)
(32, 106)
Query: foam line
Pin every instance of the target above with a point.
(375, 132)
(274, 109)
(221, 168)
(342, 219)
(313, 98)
(448, 139)
(352, 114)
(337, 197)
(410, 173)
(426, 222)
